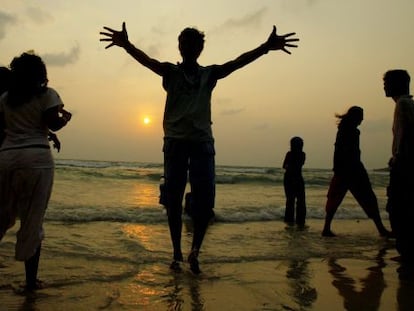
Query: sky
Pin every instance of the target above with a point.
(344, 49)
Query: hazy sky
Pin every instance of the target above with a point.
(344, 49)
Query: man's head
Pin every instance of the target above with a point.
(396, 83)
(190, 44)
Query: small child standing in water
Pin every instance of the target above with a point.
(294, 183)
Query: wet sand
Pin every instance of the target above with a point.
(353, 271)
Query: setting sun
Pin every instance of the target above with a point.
(147, 120)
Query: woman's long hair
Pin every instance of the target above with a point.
(353, 114)
(28, 79)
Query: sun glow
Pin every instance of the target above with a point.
(147, 120)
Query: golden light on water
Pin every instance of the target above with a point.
(142, 195)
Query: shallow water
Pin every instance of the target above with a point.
(107, 247)
(118, 266)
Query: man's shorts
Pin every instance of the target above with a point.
(194, 161)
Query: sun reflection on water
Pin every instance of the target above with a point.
(144, 195)
(151, 237)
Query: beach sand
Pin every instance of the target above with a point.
(284, 269)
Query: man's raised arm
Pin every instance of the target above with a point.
(274, 42)
(120, 38)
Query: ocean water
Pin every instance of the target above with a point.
(107, 243)
(87, 191)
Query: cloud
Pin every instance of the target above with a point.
(5, 20)
(251, 20)
(63, 58)
(154, 50)
(261, 127)
(378, 125)
(38, 15)
(298, 5)
(311, 2)
(226, 106)
(159, 30)
(234, 111)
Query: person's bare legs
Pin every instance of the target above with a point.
(175, 225)
(369, 204)
(336, 194)
(327, 232)
(332, 205)
(200, 229)
(175, 172)
(381, 228)
(202, 179)
(31, 267)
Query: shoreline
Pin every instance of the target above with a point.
(296, 270)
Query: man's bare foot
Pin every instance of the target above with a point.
(328, 233)
(175, 266)
(193, 261)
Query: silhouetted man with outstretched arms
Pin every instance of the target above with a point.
(188, 139)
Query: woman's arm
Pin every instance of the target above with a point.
(54, 120)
